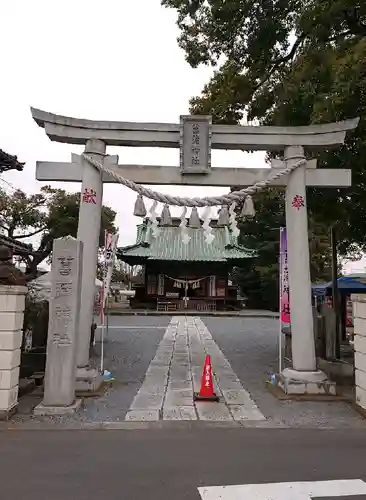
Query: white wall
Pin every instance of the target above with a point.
(359, 315)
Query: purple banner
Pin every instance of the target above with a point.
(284, 282)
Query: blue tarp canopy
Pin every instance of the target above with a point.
(345, 286)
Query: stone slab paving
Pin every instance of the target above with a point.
(214, 412)
(180, 413)
(175, 374)
(143, 416)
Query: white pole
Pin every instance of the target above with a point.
(110, 247)
(102, 350)
(107, 323)
(103, 305)
(106, 284)
(102, 327)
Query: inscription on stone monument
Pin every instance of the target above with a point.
(65, 265)
(63, 289)
(62, 297)
(195, 144)
(63, 323)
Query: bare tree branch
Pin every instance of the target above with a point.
(20, 236)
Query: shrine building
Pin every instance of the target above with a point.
(185, 276)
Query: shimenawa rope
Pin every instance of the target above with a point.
(209, 201)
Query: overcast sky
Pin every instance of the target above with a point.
(110, 60)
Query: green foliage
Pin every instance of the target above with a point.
(52, 214)
(36, 319)
(63, 214)
(21, 213)
(36, 316)
(118, 275)
(258, 278)
(288, 62)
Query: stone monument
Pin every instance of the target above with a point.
(60, 376)
(12, 304)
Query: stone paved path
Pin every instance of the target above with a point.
(175, 374)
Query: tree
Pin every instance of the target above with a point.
(118, 275)
(51, 214)
(286, 62)
(258, 277)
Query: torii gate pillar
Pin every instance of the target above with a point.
(88, 379)
(303, 345)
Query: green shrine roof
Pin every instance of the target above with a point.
(169, 246)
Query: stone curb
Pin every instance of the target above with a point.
(130, 426)
(106, 426)
(183, 425)
(193, 313)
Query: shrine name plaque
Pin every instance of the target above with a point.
(195, 144)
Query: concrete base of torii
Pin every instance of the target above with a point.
(303, 382)
(88, 380)
(44, 410)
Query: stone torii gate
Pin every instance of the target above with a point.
(195, 169)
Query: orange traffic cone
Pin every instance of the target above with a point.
(207, 389)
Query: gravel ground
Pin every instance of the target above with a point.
(128, 353)
(251, 346)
